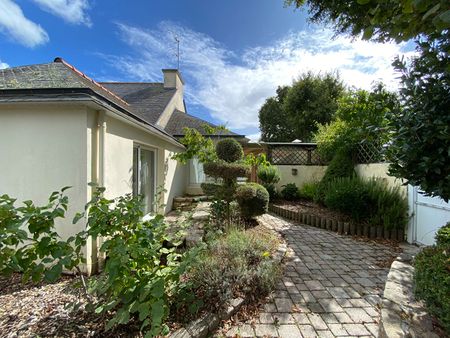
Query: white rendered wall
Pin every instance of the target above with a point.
(42, 149)
(119, 141)
(311, 173)
(305, 174)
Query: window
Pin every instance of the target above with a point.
(144, 178)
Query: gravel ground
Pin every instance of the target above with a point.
(44, 310)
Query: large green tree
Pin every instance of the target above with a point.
(361, 117)
(296, 110)
(380, 20)
(420, 146)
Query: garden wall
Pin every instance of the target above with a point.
(312, 173)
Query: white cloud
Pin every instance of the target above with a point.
(233, 87)
(72, 11)
(3, 65)
(15, 25)
(254, 137)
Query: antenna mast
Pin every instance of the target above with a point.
(177, 40)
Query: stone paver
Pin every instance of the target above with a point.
(331, 286)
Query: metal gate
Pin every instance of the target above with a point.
(428, 215)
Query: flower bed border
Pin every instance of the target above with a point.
(209, 322)
(341, 227)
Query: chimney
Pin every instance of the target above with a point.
(173, 79)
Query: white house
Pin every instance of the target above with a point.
(60, 128)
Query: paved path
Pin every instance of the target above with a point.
(331, 286)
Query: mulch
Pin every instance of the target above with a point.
(309, 207)
(43, 310)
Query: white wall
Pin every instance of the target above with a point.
(380, 170)
(119, 141)
(42, 149)
(305, 174)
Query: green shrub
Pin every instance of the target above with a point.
(341, 165)
(253, 200)
(229, 150)
(443, 236)
(236, 264)
(210, 189)
(226, 170)
(349, 196)
(432, 282)
(289, 192)
(308, 190)
(272, 190)
(29, 243)
(370, 201)
(269, 174)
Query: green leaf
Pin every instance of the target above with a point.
(144, 311)
(158, 289)
(363, 2)
(54, 273)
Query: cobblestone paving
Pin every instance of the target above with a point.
(331, 286)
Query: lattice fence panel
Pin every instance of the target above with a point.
(370, 153)
(294, 155)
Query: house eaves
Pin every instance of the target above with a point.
(81, 95)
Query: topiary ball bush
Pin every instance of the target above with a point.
(229, 150)
(253, 200)
(226, 170)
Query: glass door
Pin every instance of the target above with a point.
(144, 176)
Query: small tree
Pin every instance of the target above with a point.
(226, 171)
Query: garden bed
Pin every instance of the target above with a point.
(310, 213)
(42, 310)
(30, 310)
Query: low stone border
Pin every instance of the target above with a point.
(343, 228)
(401, 314)
(209, 322)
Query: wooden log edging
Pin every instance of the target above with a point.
(342, 228)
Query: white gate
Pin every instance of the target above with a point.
(428, 215)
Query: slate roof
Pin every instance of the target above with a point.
(59, 79)
(179, 120)
(53, 75)
(147, 99)
(144, 101)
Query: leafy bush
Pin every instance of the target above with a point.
(269, 174)
(432, 281)
(272, 190)
(236, 264)
(360, 117)
(141, 275)
(226, 170)
(289, 192)
(349, 196)
(229, 150)
(308, 190)
(341, 165)
(253, 200)
(443, 236)
(370, 201)
(29, 243)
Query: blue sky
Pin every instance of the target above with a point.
(234, 53)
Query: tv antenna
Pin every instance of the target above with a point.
(177, 40)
